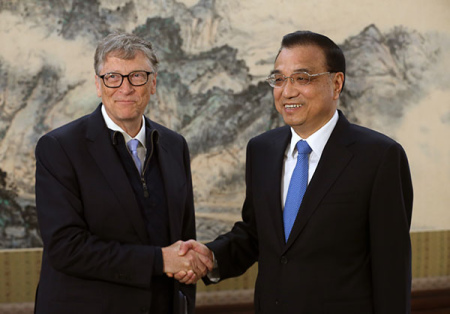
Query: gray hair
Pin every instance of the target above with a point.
(123, 46)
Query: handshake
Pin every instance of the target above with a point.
(187, 261)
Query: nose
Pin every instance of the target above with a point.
(289, 90)
(126, 87)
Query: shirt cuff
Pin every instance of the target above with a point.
(214, 274)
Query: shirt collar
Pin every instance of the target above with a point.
(317, 140)
(113, 126)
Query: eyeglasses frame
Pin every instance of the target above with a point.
(123, 76)
(292, 79)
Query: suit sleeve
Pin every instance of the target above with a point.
(69, 245)
(390, 220)
(188, 230)
(237, 250)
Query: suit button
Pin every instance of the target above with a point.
(276, 302)
(284, 260)
(145, 310)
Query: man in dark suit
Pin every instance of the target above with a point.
(347, 247)
(113, 191)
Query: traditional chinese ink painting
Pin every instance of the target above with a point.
(215, 56)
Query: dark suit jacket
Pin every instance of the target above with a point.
(97, 257)
(349, 250)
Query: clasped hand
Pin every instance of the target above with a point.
(187, 261)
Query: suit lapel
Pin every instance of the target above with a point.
(273, 166)
(99, 143)
(172, 183)
(334, 159)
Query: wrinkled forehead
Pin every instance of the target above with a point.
(126, 55)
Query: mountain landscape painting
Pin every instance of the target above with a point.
(215, 56)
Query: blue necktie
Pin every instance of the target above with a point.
(132, 146)
(297, 187)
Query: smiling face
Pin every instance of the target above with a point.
(126, 105)
(306, 108)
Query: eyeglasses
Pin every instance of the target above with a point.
(115, 80)
(297, 79)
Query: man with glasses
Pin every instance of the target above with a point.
(328, 203)
(113, 192)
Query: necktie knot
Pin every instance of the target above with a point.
(132, 146)
(303, 147)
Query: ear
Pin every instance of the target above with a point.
(338, 83)
(153, 83)
(98, 86)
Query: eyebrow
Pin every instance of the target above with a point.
(119, 72)
(295, 71)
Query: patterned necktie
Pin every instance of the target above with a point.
(297, 187)
(132, 146)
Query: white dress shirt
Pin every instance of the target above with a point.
(317, 143)
(141, 149)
